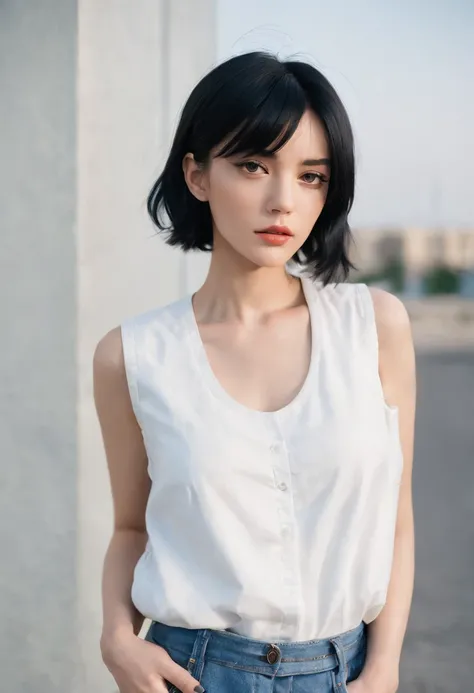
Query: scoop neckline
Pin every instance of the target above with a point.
(213, 385)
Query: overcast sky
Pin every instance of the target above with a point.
(405, 71)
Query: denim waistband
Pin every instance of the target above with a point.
(258, 656)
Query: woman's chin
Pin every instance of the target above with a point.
(270, 257)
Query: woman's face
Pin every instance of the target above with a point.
(249, 194)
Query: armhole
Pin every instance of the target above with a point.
(131, 366)
(371, 339)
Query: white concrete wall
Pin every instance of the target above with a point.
(136, 67)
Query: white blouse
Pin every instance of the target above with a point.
(273, 525)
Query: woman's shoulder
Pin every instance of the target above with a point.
(388, 310)
(110, 388)
(396, 352)
(391, 317)
(108, 359)
(382, 313)
(109, 351)
(115, 346)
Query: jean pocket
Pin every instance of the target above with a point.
(179, 657)
(183, 660)
(186, 662)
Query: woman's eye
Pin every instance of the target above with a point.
(250, 166)
(314, 178)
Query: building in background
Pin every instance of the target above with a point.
(416, 261)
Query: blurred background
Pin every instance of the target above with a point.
(90, 92)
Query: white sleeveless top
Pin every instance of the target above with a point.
(276, 526)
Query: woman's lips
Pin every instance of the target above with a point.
(275, 235)
(274, 238)
(277, 229)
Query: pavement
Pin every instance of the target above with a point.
(438, 654)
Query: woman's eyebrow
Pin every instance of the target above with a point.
(316, 162)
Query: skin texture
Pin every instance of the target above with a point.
(254, 325)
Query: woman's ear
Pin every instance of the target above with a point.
(195, 177)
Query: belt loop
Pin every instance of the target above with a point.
(196, 661)
(342, 664)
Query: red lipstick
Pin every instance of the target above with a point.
(275, 235)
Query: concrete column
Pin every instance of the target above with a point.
(137, 63)
(38, 271)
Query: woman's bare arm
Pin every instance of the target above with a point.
(135, 664)
(397, 373)
(130, 483)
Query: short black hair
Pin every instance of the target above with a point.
(253, 103)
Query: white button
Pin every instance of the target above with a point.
(282, 486)
(275, 448)
(285, 530)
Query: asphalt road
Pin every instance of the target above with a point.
(438, 655)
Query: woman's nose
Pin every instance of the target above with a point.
(281, 198)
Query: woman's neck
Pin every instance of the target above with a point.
(244, 292)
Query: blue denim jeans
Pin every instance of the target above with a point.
(224, 662)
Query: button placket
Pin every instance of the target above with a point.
(289, 572)
(281, 473)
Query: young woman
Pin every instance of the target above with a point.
(259, 433)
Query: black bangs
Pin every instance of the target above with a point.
(263, 126)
